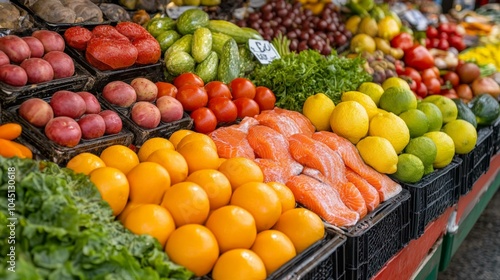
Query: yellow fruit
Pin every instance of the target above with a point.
(239, 264)
(302, 226)
(378, 153)
(447, 107)
(285, 195)
(350, 120)
(416, 121)
(151, 219)
(388, 28)
(361, 43)
(113, 187)
(464, 135)
(397, 100)
(173, 162)
(392, 128)
(196, 138)
(177, 136)
(233, 227)
(215, 184)
(352, 24)
(368, 26)
(240, 170)
(187, 202)
(152, 145)
(274, 248)
(445, 148)
(148, 182)
(318, 108)
(261, 201)
(395, 82)
(434, 115)
(194, 247)
(363, 99)
(128, 208)
(373, 90)
(199, 155)
(120, 157)
(85, 163)
(410, 168)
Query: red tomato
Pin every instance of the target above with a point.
(421, 90)
(246, 107)
(224, 109)
(444, 28)
(217, 88)
(204, 120)
(188, 79)
(399, 67)
(413, 85)
(433, 86)
(457, 42)
(192, 97)
(443, 44)
(413, 74)
(451, 77)
(242, 87)
(428, 74)
(403, 41)
(450, 93)
(165, 88)
(265, 98)
(431, 32)
(435, 70)
(419, 58)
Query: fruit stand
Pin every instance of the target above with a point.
(244, 140)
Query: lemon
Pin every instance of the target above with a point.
(363, 99)
(398, 99)
(318, 108)
(361, 43)
(373, 90)
(410, 169)
(350, 120)
(388, 28)
(445, 148)
(368, 26)
(392, 128)
(464, 135)
(352, 24)
(394, 82)
(378, 153)
(434, 115)
(417, 122)
(424, 148)
(447, 107)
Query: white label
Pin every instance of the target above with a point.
(263, 50)
(174, 11)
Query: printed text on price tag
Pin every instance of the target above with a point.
(263, 50)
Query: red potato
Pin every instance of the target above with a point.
(38, 70)
(36, 47)
(61, 63)
(13, 75)
(145, 89)
(77, 37)
(112, 120)
(92, 105)
(15, 48)
(92, 126)
(36, 111)
(51, 40)
(149, 51)
(4, 59)
(119, 93)
(64, 131)
(170, 108)
(109, 54)
(67, 103)
(145, 114)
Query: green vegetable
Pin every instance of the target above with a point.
(207, 69)
(218, 41)
(295, 77)
(229, 64)
(183, 44)
(192, 19)
(64, 230)
(486, 109)
(240, 35)
(247, 60)
(282, 44)
(157, 26)
(464, 112)
(167, 39)
(179, 62)
(201, 45)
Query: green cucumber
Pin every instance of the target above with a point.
(201, 45)
(167, 39)
(240, 35)
(229, 64)
(256, 34)
(183, 44)
(207, 69)
(464, 112)
(486, 109)
(158, 25)
(179, 62)
(192, 19)
(218, 41)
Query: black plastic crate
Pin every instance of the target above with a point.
(378, 237)
(473, 175)
(496, 136)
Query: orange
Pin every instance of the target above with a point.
(121, 157)
(233, 227)
(239, 264)
(199, 155)
(153, 144)
(196, 137)
(113, 187)
(274, 248)
(187, 202)
(148, 182)
(173, 162)
(128, 208)
(240, 170)
(261, 201)
(285, 194)
(85, 163)
(221, 160)
(177, 136)
(194, 247)
(151, 219)
(215, 184)
(302, 226)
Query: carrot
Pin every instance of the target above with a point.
(10, 131)
(8, 150)
(24, 150)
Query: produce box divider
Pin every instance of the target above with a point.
(496, 136)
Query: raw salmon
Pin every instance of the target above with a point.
(302, 121)
(385, 186)
(273, 170)
(369, 193)
(322, 200)
(231, 142)
(246, 123)
(282, 123)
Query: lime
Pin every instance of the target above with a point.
(361, 43)
(378, 153)
(363, 99)
(447, 107)
(445, 148)
(428, 169)
(318, 108)
(464, 135)
(398, 99)
(424, 148)
(349, 119)
(395, 82)
(410, 168)
(368, 26)
(417, 122)
(392, 128)
(434, 115)
(373, 90)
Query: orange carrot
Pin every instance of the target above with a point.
(24, 150)
(10, 131)
(8, 150)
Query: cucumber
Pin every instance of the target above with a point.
(247, 60)
(183, 44)
(218, 41)
(240, 35)
(167, 39)
(486, 109)
(192, 19)
(207, 69)
(201, 45)
(158, 25)
(256, 36)
(179, 62)
(229, 64)
(464, 112)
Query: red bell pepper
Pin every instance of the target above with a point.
(403, 41)
(419, 58)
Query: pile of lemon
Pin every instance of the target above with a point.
(394, 132)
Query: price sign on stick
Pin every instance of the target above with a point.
(263, 50)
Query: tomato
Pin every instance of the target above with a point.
(265, 98)
(434, 42)
(224, 109)
(419, 58)
(204, 120)
(192, 97)
(443, 44)
(450, 93)
(217, 88)
(457, 42)
(421, 90)
(444, 28)
(403, 41)
(399, 67)
(428, 43)
(246, 107)
(431, 32)
(242, 87)
(428, 74)
(443, 36)
(165, 88)
(452, 78)
(188, 79)
(412, 73)
(413, 85)
(435, 70)
(433, 86)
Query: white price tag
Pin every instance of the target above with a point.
(174, 11)
(263, 50)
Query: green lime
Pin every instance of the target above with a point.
(422, 147)
(410, 168)
(447, 107)
(428, 169)
(395, 82)
(417, 122)
(434, 115)
(398, 99)
(373, 90)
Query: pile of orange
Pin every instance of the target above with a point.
(210, 214)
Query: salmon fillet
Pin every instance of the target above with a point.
(305, 125)
(231, 142)
(369, 193)
(279, 122)
(273, 170)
